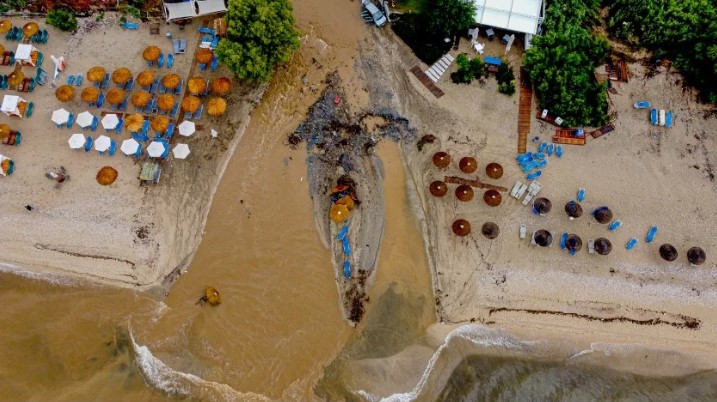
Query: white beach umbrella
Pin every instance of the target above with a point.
(186, 128)
(110, 121)
(76, 141)
(60, 116)
(102, 143)
(84, 119)
(129, 147)
(155, 149)
(181, 151)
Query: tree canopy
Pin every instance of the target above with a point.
(62, 19)
(446, 17)
(260, 35)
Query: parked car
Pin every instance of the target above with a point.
(378, 17)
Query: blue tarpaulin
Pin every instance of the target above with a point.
(492, 60)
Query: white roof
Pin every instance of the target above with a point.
(193, 8)
(513, 15)
(211, 6)
(23, 52)
(9, 104)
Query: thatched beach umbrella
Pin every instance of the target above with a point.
(696, 256)
(151, 53)
(196, 85)
(348, 201)
(107, 175)
(668, 252)
(121, 75)
(5, 26)
(216, 106)
(602, 246)
(492, 198)
(141, 98)
(4, 131)
(573, 209)
(574, 242)
(542, 205)
(134, 122)
(204, 55)
(160, 123)
(146, 78)
(494, 170)
(30, 29)
(221, 86)
(441, 159)
(468, 164)
(165, 102)
(16, 77)
(90, 94)
(464, 192)
(461, 227)
(191, 104)
(2, 49)
(438, 188)
(490, 230)
(171, 81)
(543, 238)
(96, 74)
(603, 215)
(65, 93)
(339, 213)
(115, 96)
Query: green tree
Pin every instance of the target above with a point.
(62, 19)
(446, 17)
(260, 35)
(477, 67)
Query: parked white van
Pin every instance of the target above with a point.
(378, 18)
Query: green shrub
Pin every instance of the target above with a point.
(131, 10)
(62, 19)
(477, 67)
(411, 28)
(507, 88)
(7, 5)
(448, 17)
(100, 16)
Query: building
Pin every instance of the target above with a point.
(177, 10)
(521, 16)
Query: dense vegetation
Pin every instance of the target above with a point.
(260, 35)
(468, 70)
(506, 79)
(17, 5)
(62, 19)
(562, 61)
(684, 31)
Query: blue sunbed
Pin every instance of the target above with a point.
(551, 147)
(130, 84)
(523, 156)
(346, 245)
(140, 137)
(139, 151)
(581, 194)
(118, 129)
(170, 60)
(88, 144)
(543, 146)
(113, 147)
(174, 110)
(614, 225)
(170, 131)
(145, 128)
(215, 63)
(101, 100)
(187, 115)
(563, 240)
(106, 81)
(530, 166)
(160, 60)
(631, 244)
(70, 120)
(539, 156)
(206, 30)
(154, 87)
(653, 116)
(178, 90)
(95, 122)
(642, 105)
(78, 80)
(70, 79)
(559, 151)
(651, 234)
(202, 66)
(198, 114)
(668, 119)
(343, 232)
(534, 175)
(213, 45)
(347, 269)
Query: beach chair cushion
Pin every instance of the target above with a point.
(88, 144)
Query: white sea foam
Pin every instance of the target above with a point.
(39, 276)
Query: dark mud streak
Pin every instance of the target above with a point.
(99, 257)
(473, 183)
(688, 322)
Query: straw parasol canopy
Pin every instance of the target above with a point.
(494, 170)
(90, 94)
(146, 78)
(441, 159)
(221, 86)
(134, 122)
(542, 205)
(16, 77)
(141, 98)
(574, 242)
(121, 75)
(2, 49)
(602, 246)
(191, 104)
(573, 209)
(96, 74)
(464, 192)
(5, 26)
(107, 175)
(468, 164)
(339, 213)
(165, 102)
(115, 96)
(668, 252)
(461, 227)
(4, 131)
(151, 53)
(490, 230)
(696, 256)
(603, 215)
(160, 123)
(348, 201)
(543, 238)
(65, 93)
(216, 106)
(438, 188)
(492, 198)
(196, 85)
(211, 296)
(204, 55)
(30, 29)
(171, 81)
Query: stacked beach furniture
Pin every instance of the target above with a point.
(520, 189)
(435, 72)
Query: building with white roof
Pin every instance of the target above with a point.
(177, 10)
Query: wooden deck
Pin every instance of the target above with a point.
(524, 111)
(416, 70)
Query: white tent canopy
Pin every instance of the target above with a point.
(193, 8)
(155, 149)
(77, 141)
(110, 121)
(84, 119)
(102, 143)
(129, 147)
(181, 151)
(24, 53)
(9, 105)
(186, 128)
(60, 116)
(513, 15)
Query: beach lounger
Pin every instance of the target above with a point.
(130, 85)
(668, 119)
(139, 151)
(591, 246)
(581, 194)
(516, 187)
(70, 120)
(532, 239)
(88, 144)
(521, 191)
(139, 137)
(118, 129)
(215, 63)
(173, 113)
(653, 116)
(559, 151)
(149, 63)
(113, 147)
(522, 231)
(178, 90)
(187, 115)
(551, 147)
(123, 105)
(95, 122)
(543, 146)
(538, 156)
(533, 190)
(631, 243)
(30, 109)
(661, 117)
(614, 225)
(70, 79)
(206, 30)
(198, 114)
(563, 241)
(100, 100)
(170, 60)
(346, 246)
(534, 175)
(642, 105)
(202, 66)
(347, 269)
(106, 82)
(651, 234)
(343, 232)
(78, 80)
(160, 60)
(524, 156)
(162, 89)
(170, 131)
(145, 128)
(154, 87)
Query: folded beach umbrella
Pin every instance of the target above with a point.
(668, 252)
(438, 188)
(494, 170)
(196, 85)
(186, 128)
(151, 53)
(141, 98)
(134, 122)
(155, 149)
(603, 215)
(30, 29)
(4, 130)
(339, 213)
(461, 227)
(5, 26)
(542, 205)
(441, 159)
(16, 77)
(2, 49)
(115, 96)
(216, 106)
(84, 119)
(165, 102)
(90, 94)
(543, 238)
(492, 198)
(204, 55)
(96, 74)
(121, 75)
(145, 78)
(464, 192)
(60, 116)
(468, 164)
(602, 246)
(696, 256)
(171, 81)
(102, 143)
(191, 104)
(110, 121)
(181, 151)
(77, 141)
(490, 230)
(129, 147)
(160, 123)
(221, 86)
(573, 209)
(574, 242)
